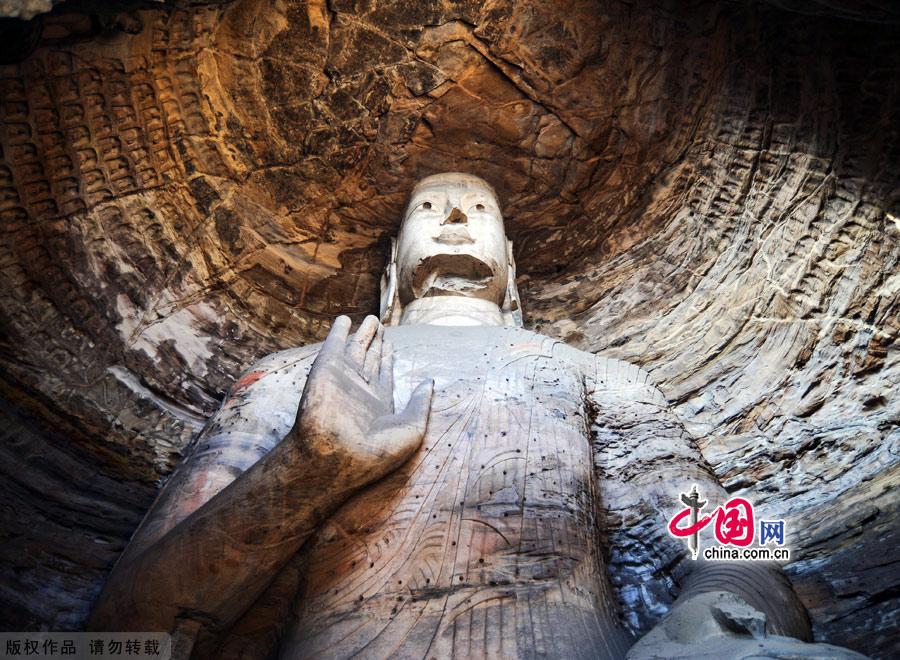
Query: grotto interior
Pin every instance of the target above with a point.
(706, 189)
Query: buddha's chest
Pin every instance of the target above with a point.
(504, 475)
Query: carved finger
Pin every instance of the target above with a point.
(336, 341)
(373, 355)
(360, 342)
(415, 415)
(386, 371)
(399, 436)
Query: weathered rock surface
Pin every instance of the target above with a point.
(707, 191)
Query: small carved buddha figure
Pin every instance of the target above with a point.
(441, 483)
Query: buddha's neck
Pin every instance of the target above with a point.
(451, 310)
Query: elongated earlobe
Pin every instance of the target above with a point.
(391, 310)
(512, 306)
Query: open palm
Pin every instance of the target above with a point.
(347, 408)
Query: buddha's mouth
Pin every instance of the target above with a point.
(454, 235)
(451, 275)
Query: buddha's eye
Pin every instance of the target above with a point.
(426, 205)
(479, 207)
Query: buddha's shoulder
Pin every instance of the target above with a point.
(284, 370)
(611, 377)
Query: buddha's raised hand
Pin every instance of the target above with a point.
(346, 415)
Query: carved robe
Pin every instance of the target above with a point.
(490, 540)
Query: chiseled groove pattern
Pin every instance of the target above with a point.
(776, 344)
(57, 507)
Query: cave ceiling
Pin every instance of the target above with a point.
(707, 189)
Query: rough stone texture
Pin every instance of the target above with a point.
(709, 191)
(25, 9)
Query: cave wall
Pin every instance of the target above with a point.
(708, 190)
(767, 305)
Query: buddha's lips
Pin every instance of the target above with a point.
(454, 236)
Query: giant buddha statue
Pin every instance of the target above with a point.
(439, 484)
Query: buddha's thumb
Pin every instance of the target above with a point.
(417, 411)
(399, 436)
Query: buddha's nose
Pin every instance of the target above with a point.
(456, 217)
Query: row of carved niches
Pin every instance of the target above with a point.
(30, 24)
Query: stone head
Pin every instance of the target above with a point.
(452, 244)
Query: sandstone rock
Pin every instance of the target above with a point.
(707, 191)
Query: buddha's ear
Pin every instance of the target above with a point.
(512, 306)
(390, 298)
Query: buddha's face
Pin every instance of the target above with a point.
(452, 241)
